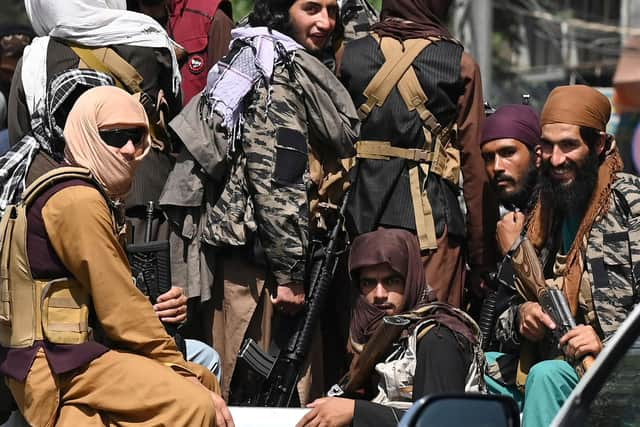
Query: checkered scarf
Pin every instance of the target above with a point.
(254, 52)
(46, 133)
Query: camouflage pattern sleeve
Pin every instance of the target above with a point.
(275, 141)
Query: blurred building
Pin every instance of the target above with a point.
(533, 45)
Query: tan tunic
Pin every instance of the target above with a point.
(80, 228)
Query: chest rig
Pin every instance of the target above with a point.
(438, 155)
(56, 309)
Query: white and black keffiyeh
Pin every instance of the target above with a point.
(254, 52)
(47, 124)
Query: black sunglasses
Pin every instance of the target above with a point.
(118, 138)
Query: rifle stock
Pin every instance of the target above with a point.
(374, 351)
(553, 301)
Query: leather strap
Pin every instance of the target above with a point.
(389, 74)
(106, 60)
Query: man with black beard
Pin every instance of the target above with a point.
(584, 228)
(510, 148)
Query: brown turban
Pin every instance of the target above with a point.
(576, 105)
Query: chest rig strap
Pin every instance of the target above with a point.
(397, 71)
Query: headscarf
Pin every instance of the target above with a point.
(577, 105)
(106, 106)
(399, 249)
(412, 19)
(515, 121)
(100, 23)
(234, 76)
(46, 130)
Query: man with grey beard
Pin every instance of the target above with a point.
(583, 226)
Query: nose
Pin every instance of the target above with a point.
(557, 156)
(128, 150)
(324, 20)
(380, 292)
(498, 164)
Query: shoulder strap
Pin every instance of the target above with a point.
(53, 177)
(106, 60)
(391, 71)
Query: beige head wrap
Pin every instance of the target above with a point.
(100, 108)
(576, 105)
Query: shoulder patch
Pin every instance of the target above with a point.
(196, 64)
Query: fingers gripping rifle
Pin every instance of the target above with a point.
(151, 269)
(553, 301)
(279, 375)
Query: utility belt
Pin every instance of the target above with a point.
(437, 159)
(443, 160)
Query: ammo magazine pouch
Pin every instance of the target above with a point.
(107, 60)
(439, 154)
(54, 310)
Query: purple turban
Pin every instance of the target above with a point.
(515, 121)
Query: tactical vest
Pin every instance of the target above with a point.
(398, 370)
(427, 151)
(189, 25)
(31, 309)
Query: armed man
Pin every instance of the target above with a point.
(405, 344)
(266, 150)
(419, 162)
(580, 247)
(510, 147)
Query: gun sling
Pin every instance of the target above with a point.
(107, 60)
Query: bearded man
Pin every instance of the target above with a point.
(584, 228)
(510, 147)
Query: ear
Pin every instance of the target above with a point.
(601, 144)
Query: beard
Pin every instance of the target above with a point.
(572, 198)
(522, 197)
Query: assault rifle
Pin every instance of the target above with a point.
(376, 349)
(501, 286)
(151, 269)
(553, 301)
(275, 378)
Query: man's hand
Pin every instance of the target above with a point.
(508, 229)
(171, 306)
(290, 298)
(534, 322)
(580, 341)
(328, 412)
(223, 415)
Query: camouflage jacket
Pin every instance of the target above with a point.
(611, 280)
(294, 131)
